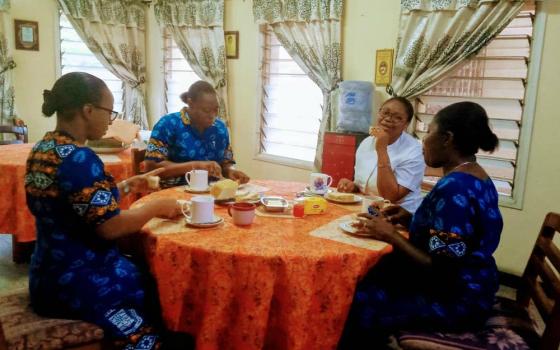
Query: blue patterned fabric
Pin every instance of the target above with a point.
(75, 273)
(175, 139)
(458, 224)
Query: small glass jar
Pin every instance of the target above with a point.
(298, 210)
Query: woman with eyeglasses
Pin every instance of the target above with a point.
(77, 271)
(389, 163)
(443, 277)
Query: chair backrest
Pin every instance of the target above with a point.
(20, 133)
(541, 281)
(137, 158)
(3, 342)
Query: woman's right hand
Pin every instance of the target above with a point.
(345, 185)
(167, 208)
(214, 169)
(396, 214)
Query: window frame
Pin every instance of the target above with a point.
(515, 201)
(58, 54)
(165, 36)
(258, 154)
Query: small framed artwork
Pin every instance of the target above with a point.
(27, 35)
(383, 66)
(232, 44)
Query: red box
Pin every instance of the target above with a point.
(339, 154)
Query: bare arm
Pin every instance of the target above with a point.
(173, 169)
(381, 229)
(387, 184)
(132, 220)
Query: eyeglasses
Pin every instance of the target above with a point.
(394, 117)
(114, 114)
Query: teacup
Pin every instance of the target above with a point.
(373, 204)
(197, 179)
(319, 183)
(199, 210)
(242, 213)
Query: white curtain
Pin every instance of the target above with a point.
(114, 30)
(435, 36)
(7, 64)
(310, 31)
(197, 27)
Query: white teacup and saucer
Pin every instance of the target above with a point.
(199, 212)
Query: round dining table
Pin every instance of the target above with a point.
(269, 285)
(15, 217)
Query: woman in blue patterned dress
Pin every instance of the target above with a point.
(76, 270)
(193, 138)
(444, 276)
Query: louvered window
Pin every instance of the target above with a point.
(76, 57)
(178, 74)
(290, 104)
(496, 79)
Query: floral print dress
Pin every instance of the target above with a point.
(458, 224)
(75, 273)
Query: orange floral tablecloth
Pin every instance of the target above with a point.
(271, 285)
(15, 218)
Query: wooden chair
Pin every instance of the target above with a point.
(19, 131)
(21, 328)
(510, 326)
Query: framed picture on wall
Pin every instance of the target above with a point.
(27, 35)
(383, 66)
(232, 44)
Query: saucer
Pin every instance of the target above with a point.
(217, 221)
(197, 190)
(308, 193)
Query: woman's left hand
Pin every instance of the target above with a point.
(141, 183)
(375, 227)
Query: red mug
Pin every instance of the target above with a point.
(242, 213)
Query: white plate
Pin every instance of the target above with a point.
(357, 199)
(196, 190)
(108, 149)
(347, 227)
(217, 221)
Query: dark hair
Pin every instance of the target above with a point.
(70, 92)
(468, 122)
(197, 89)
(406, 103)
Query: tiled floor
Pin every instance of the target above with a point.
(12, 275)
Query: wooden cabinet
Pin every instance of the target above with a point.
(339, 154)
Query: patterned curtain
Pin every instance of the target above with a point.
(197, 27)
(310, 31)
(7, 64)
(435, 36)
(114, 30)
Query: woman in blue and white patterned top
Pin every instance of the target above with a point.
(76, 269)
(444, 277)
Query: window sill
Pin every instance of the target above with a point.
(290, 162)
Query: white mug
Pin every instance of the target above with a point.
(319, 183)
(199, 210)
(197, 179)
(375, 202)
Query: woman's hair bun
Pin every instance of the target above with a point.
(49, 103)
(488, 141)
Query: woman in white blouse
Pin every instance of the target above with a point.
(390, 163)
